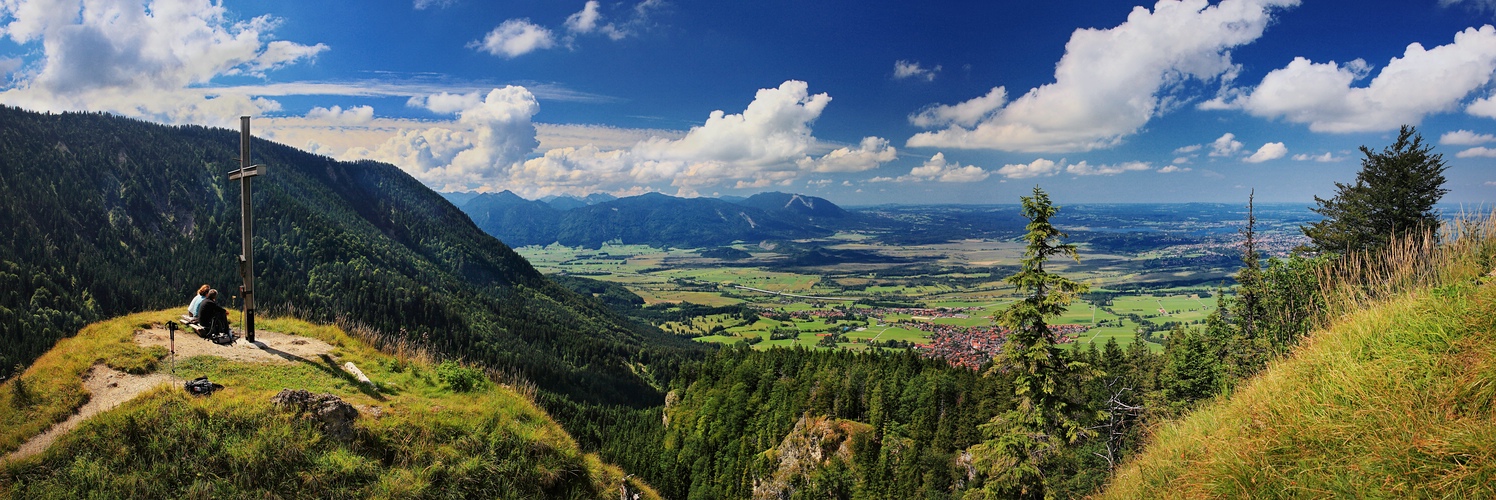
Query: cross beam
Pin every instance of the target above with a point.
(246, 259)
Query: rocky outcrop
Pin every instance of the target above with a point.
(335, 415)
(814, 443)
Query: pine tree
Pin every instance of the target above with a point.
(1023, 439)
(1190, 371)
(1394, 193)
(1249, 349)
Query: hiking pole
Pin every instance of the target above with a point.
(171, 328)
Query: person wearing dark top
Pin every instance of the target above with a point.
(214, 318)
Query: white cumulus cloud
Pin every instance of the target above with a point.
(490, 138)
(964, 114)
(356, 115)
(584, 21)
(1037, 168)
(1225, 145)
(1084, 168)
(1110, 81)
(589, 20)
(938, 169)
(1268, 152)
(444, 102)
(1420, 83)
(1477, 152)
(903, 69)
(145, 60)
(514, 38)
(1173, 169)
(1484, 107)
(493, 141)
(768, 144)
(869, 154)
(1465, 138)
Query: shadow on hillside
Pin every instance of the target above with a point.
(327, 365)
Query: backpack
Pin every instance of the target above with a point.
(201, 386)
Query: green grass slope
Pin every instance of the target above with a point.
(1394, 400)
(426, 440)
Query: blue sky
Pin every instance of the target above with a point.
(859, 102)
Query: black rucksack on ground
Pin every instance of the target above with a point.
(224, 338)
(201, 386)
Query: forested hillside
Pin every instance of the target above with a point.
(106, 216)
(811, 207)
(817, 424)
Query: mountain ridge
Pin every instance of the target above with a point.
(110, 215)
(653, 219)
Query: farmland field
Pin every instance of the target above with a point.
(1146, 281)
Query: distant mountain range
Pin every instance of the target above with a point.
(654, 219)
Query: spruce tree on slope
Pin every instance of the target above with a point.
(1394, 194)
(1021, 441)
(1250, 348)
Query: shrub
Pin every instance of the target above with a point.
(460, 378)
(20, 395)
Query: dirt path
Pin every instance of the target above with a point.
(109, 388)
(270, 347)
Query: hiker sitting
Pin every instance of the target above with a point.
(213, 317)
(197, 302)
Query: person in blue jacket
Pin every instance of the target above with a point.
(197, 300)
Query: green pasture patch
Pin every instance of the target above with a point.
(886, 333)
(713, 299)
(719, 339)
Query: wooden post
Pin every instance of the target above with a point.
(246, 258)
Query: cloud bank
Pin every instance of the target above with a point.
(1109, 83)
(142, 60)
(492, 143)
(1325, 97)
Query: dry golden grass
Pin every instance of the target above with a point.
(1393, 398)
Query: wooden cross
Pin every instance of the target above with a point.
(246, 259)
